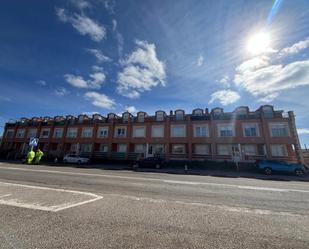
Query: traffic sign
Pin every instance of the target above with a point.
(33, 142)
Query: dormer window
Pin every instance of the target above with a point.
(97, 117)
(268, 111)
(159, 116)
(179, 114)
(217, 111)
(80, 118)
(241, 111)
(111, 116)
(198, 112)
(125, 117)
(141, 117)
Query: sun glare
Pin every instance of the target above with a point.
(258, 43)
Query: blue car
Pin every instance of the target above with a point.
(270, 166)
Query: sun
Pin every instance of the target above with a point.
(259, 43)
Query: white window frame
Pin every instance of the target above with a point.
(249, 152)
(141, 117)
(206, 152)
(8, 131)
(31, 133)
(195, 126)
(120, 135)
(179, 145)
(160, 116)
(274, 149)
(105, 146)
(136, 128)
(88, 146)
(46, 136)
(286, 126)
(229, 149)
(100, 129)
(157, 127)
(173, 134)
(247, 125)
(139, 148)
(179, 115)
(87, 132)
(221, 126)
(122, 150)
(56, 135)
(20, 133)
(198, 112)
(71, 131)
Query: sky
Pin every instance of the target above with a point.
(87, 56)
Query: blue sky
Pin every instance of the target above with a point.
(85, 56)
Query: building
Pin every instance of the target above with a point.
(217, 135)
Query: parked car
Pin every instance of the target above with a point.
(270, 166)
(72, 158)
(151, 162)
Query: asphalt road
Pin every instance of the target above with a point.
(67, 207)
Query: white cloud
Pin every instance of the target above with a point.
(99, 55)
(42, 82)
(110, 6)
(225, 97)
(60, 92)
(131, 109)
(114, 25)
(100, 100)
(96, 80)
(303, 131)
(268, 98)
(142, 71)
(200, 61)
(83, 24)
(295, 48)
(225, 81)
(81, 4)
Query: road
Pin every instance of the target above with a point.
(68, 207)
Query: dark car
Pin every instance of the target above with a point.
(270, 166)
(150, 162)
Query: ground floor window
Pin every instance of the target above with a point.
(278, 150)
(139, 148)
(85, 148)
(224, 149)
(156, 149)
(122, 148)
(201, 149)
(249, 149)
(178, 148)
(103, 148)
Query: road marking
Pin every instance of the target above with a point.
(256, 188)
(18, 197)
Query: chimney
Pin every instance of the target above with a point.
(206, 111)
(171, 113)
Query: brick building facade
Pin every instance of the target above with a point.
(242, 134)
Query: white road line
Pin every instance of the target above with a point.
(55, 208)
(256, 188)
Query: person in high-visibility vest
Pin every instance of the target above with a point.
(30, 156)
(38, 156)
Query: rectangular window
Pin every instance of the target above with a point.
(250, 130)
(160, 116)
(139, 148)
(278, 150)
(178, 131)
(32, 133)
(85, 148)
(120, 132)
(58, 132)
(138, 131)
(72, 133)
(157, 131)
(20, 133)
(279, 130)
(122, 148)
(9, 134)
(201, 149)
(141, 117)
(103, 148)
(102, 132)
(179, 148)
(201, 131)
(87, 132)
(249, 149)
(45, 133)
(225, 130)
(156, 149)
(224, 149)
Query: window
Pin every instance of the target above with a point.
(179, 115)
(201, 130)
(141, 117)
(159, 116)
(120, 132)
(125, 117)
(20, 133)
(179, 148)
(224, 149)
(178, 130)
(157, 131)
(103, 148)
(139, 148)
(249, 149)
(198, 112)
(250, 130)
(201, 149)
(85, 148)
(241, 111)
(279, 130)
(45, 133)
(31, 133)
(122, 148)
(74, 148)
(268, 111)
(138, 131)
(72, 132)
(58, 132)
(102, 132)
(225, 130)
(87, 132)
(156, 149)
(278, 150)
(9, 134)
